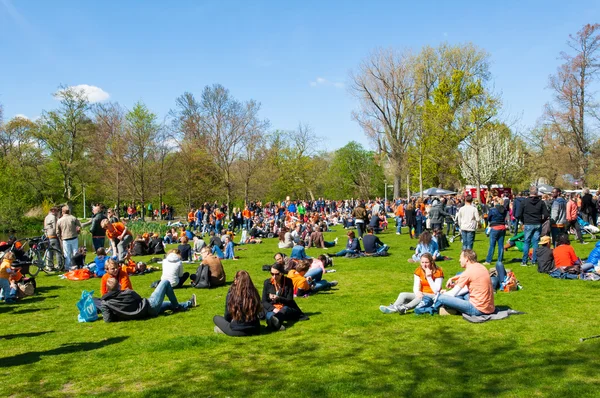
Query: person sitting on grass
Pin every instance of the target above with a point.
(100, 262)
(298, 252)
(373, 245)
(285, 239)
(242, 308)
(215, 241)
(156, 245)
(427, 281)
(172, 270)
(7, 284)
(426, 245)
(316, 239)
(229, 251)
(545, 256)
(185, 250)
(78, 260)
(303, 286)
(199, 244)
(475, 281)
(124, 305)
(217, 273)
(139, 247)
(113, 270)
(352, 247)
(564, 254)
(278, 300)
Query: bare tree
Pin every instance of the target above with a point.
(574, 100)
(385, 87)
(227, 124)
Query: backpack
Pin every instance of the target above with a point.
(202, 277)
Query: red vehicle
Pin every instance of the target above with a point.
(483, 192)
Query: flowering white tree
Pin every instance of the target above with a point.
(491, 156)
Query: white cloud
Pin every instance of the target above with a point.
(94, 94)
(320, 81)
(21, 116)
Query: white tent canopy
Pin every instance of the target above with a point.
(435, 192)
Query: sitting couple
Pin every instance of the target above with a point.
(472, 291)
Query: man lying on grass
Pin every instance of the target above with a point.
(475, 281)
(123, 305)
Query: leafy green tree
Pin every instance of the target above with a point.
(354, 172)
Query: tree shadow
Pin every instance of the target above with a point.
(35, 356)
(43, 289)
(28, 334)
(30, 310)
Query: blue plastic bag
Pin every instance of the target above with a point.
(87, 309)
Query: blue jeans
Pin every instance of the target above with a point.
(98, 243)
(497, 280)
(399, 225)
(5, 287)
(315, 273)
(531, 239)
(462, 305)
(157, 302)
(496, 237)
(468, 237)
(69, 249)
(436, 225)
(344, 252)
(555, 231)
(218, 224)
(284, 314)
(449, 228)
(383, 249)
(419, 227)
(562, 275)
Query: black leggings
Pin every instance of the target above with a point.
(225, 326)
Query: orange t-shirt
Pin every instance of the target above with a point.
(400, 211)
(477, 279)
(191, 216)
(564, 256)
(123, 278)
(246, 213)
(129, 268)
(298, 280)
(425, 287)
(119, 228)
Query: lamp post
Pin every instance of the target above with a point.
(385, 184)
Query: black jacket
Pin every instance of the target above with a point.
(286, 297)
(411, 218)
(545, 259)
(95, 228)
(587, 204)
(156, 246)
(123, 305)
(371, 243)
(532, 211)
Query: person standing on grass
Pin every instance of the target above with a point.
(98, 233)
(467, 219)
(50, 230)
(399, 213)
(427, 281)
(572, 211)
(475, 280)
(360, 218)
(558, 214)
(68, 228)
(497, 222)
(532, 212)
(242, 308)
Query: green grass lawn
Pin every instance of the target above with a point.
(347, 348)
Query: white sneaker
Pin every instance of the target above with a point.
(387, 310)
(336, 240)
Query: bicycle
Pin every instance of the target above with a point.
(41, 256)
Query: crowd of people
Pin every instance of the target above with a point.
(208, 237)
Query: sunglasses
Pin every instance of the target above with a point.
(275, 273)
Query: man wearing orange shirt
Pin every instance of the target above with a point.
(476, 280)
(399, 217)
(113, 270)
(120, 237)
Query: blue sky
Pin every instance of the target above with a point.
(293, 57)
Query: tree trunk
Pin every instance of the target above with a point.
(397, 185)
(421, 173)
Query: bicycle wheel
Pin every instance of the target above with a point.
(36, 263)
(53, 260)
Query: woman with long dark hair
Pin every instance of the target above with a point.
(285, 239)
(242, 307)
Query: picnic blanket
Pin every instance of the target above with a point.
(500, 313)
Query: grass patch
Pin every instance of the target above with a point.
(347, 348)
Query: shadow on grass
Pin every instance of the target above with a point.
(35, 356)
(444, 366)
(36, 299)
(30, 310)
(44, 289)
(28, 334)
